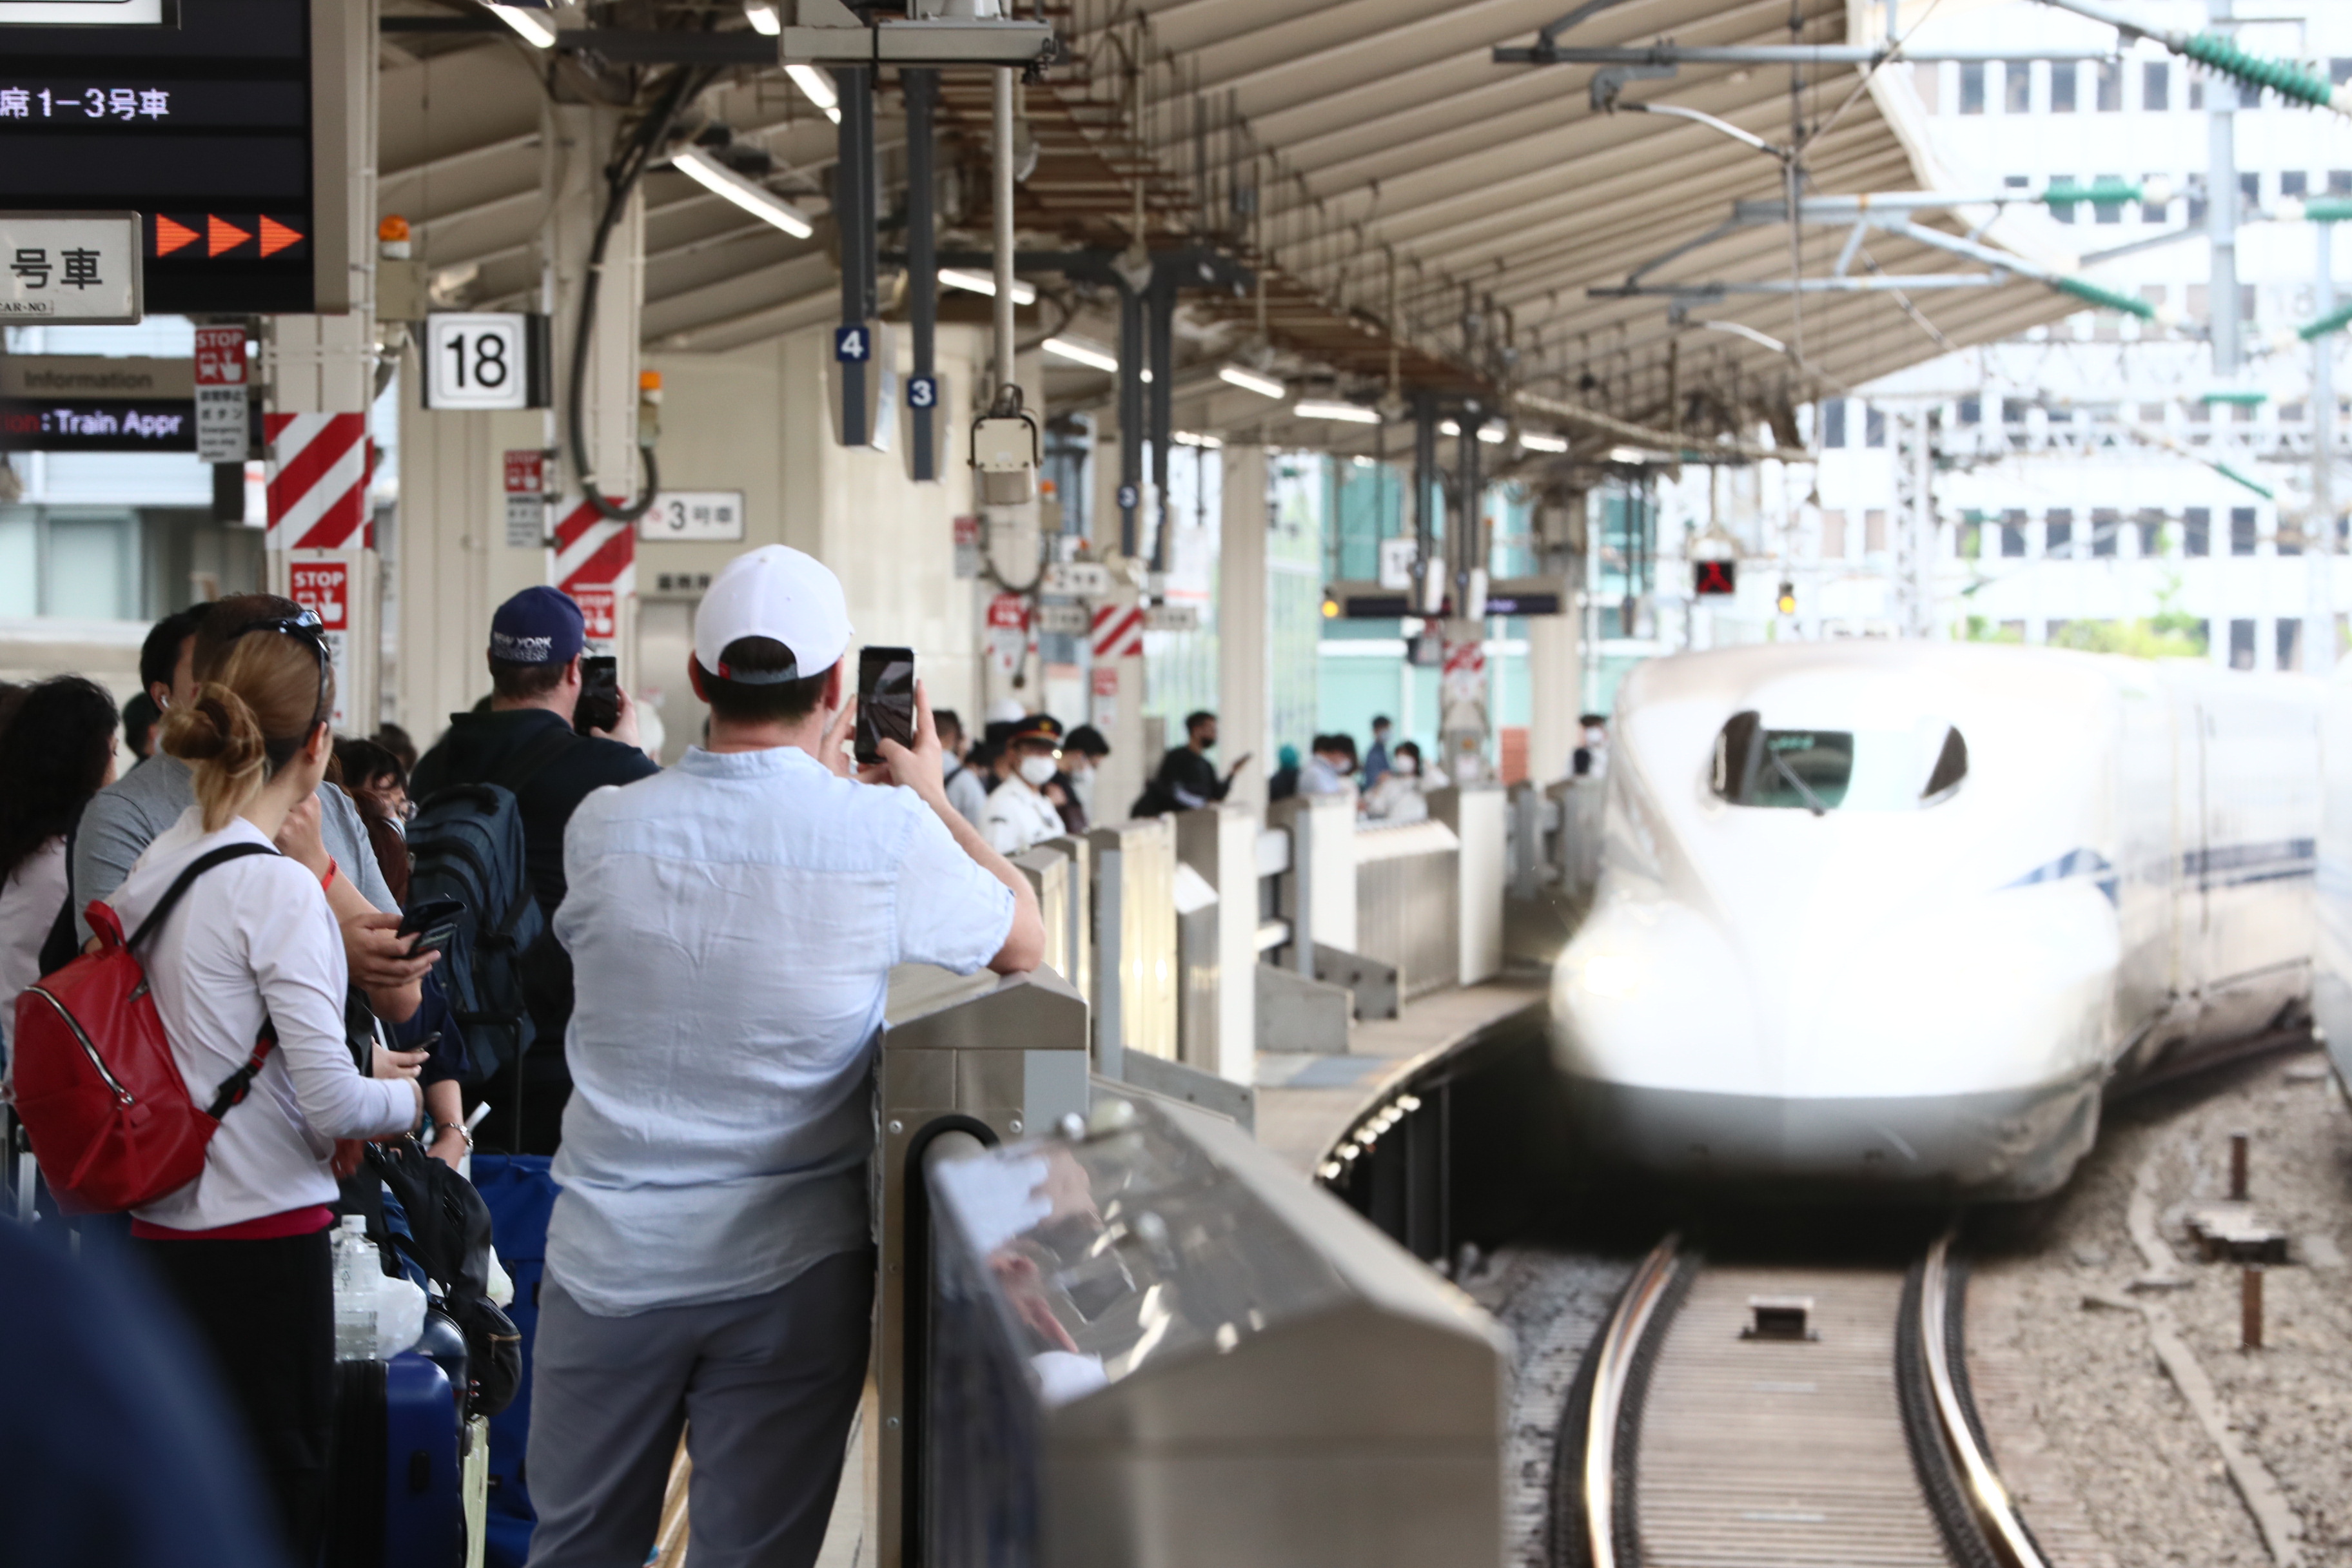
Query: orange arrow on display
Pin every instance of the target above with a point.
(275, 237)
(170, 237)
(222, 234)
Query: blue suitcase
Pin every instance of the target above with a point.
(521, 1195)
(396, 1494)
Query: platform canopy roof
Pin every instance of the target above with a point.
(1416, 215)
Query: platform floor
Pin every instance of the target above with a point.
(1306, 1103)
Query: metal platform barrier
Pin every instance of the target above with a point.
(966, 1062)
(1407, 903)
(1135, 979)
(1152, 1344)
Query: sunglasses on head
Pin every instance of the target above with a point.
(305, 627)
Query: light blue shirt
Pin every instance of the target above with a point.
(732, 924)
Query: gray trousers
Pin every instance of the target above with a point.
(765, 1388)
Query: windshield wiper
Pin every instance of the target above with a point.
(1813, 802)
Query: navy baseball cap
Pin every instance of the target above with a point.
(538, 625)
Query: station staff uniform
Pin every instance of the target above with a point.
(1018, 816)
(732, 923)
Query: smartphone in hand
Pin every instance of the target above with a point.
(433, 922)
(600, 693)
(885, 700)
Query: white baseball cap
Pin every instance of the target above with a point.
(775, 592)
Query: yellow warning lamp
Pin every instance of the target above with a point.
(1788, 600)
(391, 237)
(1330, 608)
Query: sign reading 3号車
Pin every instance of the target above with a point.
(713, 517)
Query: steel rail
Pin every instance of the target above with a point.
(1619, 1343)
(2004, 1527)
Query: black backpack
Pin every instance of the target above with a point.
(467, 843)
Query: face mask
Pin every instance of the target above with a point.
(1406, 768)
(1038, 771)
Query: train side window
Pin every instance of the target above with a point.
(1805, 770)
(1951, 767)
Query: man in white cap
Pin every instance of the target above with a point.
(732, 924)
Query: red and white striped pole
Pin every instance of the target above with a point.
(320, 542)
(596, 563)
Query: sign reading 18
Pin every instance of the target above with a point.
(488, 369)
(477, 358)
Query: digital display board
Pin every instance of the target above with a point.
(205, 129)
(86, 404)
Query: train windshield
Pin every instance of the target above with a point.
(1822, 771)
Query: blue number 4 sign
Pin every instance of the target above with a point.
(850, 344)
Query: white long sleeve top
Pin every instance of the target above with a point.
(254, 940)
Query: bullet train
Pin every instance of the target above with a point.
(2331, 999)
(1897, 914)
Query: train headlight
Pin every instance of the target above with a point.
(1612, 976)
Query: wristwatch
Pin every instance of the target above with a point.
(459, 1128)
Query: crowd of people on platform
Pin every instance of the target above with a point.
(696, 1028)
(703, 1005)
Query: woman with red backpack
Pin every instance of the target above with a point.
(252, 948)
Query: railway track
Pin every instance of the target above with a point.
(1736, 1417)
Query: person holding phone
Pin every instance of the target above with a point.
(1018, 814)
(539, 673)
(732, 923)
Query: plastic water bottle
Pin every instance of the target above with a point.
(357, 1271)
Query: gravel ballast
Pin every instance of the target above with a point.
(2120, 1446)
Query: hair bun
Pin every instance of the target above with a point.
(219, 727)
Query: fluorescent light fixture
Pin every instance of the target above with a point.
(526, 24)
(1535, 443)
(1079, 353)
(1742, 329)
(1324, 408)
(982, 283)
(762, 15)
(1492, 435)
(721, 181)
(1195, 438)
(1250, 381)
(818, 89)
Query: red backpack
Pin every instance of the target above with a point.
(109, 1114)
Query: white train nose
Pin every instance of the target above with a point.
(1860, 1049)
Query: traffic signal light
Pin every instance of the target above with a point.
(1714, 577)
(1787, 599)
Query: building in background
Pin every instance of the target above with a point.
(2097, 482)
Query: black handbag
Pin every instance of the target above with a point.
(450, 1230)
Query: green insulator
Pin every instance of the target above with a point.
(2282, 77)
(2336, 320)
(2107, 299)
